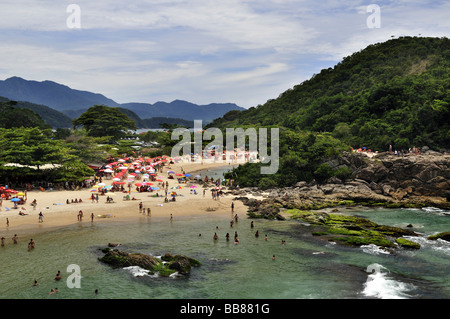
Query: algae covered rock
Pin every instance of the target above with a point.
(407, 243)
(351, 230)
(180, 263)
(168, 264)
(117, 258)
(443, 236)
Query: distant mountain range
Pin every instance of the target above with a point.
(72, 103)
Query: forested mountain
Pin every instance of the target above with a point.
(73, 102)
(182, 109)
(13, 117)
(50, 116)
(57, 96)
(393, 93)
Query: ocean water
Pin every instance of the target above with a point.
(303, 268)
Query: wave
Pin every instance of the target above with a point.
(436, 210)
(374, 250)
(137, 271)
(380, 284)
(438, 245)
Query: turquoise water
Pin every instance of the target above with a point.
(303, 268)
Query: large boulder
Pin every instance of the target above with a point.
(121, 259)
(443, 236)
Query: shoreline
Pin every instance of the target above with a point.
(57, 214)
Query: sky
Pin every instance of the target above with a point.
(202, 51)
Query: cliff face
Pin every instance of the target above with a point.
(406, 176)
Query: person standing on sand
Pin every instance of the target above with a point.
(232, 208)
(149, 212)
(14, 238)
(3, 241)
(41, 216)
(92, 217)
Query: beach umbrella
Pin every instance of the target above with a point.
(197, 176)
(15, 199)
(108, 170)
(171, 172)
(101, 184)
(193, 186)
(187, 175)
(20, 194)
(179, 174)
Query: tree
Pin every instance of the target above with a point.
(16, 117)
(101, 120)
(29, 149)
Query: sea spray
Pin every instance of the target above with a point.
(381, 285)
(374, 250)
(137, 271)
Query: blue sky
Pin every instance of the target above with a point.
(202, 51)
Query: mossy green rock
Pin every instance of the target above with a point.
(443, 236)
(351, 230)
(171, 264)
(407, 243)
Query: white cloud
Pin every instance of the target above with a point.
(242, 51)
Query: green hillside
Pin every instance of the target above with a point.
(393, 93)
(50, 116)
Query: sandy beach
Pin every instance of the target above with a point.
(57, 213)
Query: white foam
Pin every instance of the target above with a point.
(137, 271)
(380, 285)
(374, 250)
(438, 245)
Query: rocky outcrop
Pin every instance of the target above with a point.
(354, 231)
(443, 236)
(117, 258)
(166, 266)
(412, 175)
(180, 263)
(385, 180)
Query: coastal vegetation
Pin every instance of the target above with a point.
(392, 94)
(31, 151)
